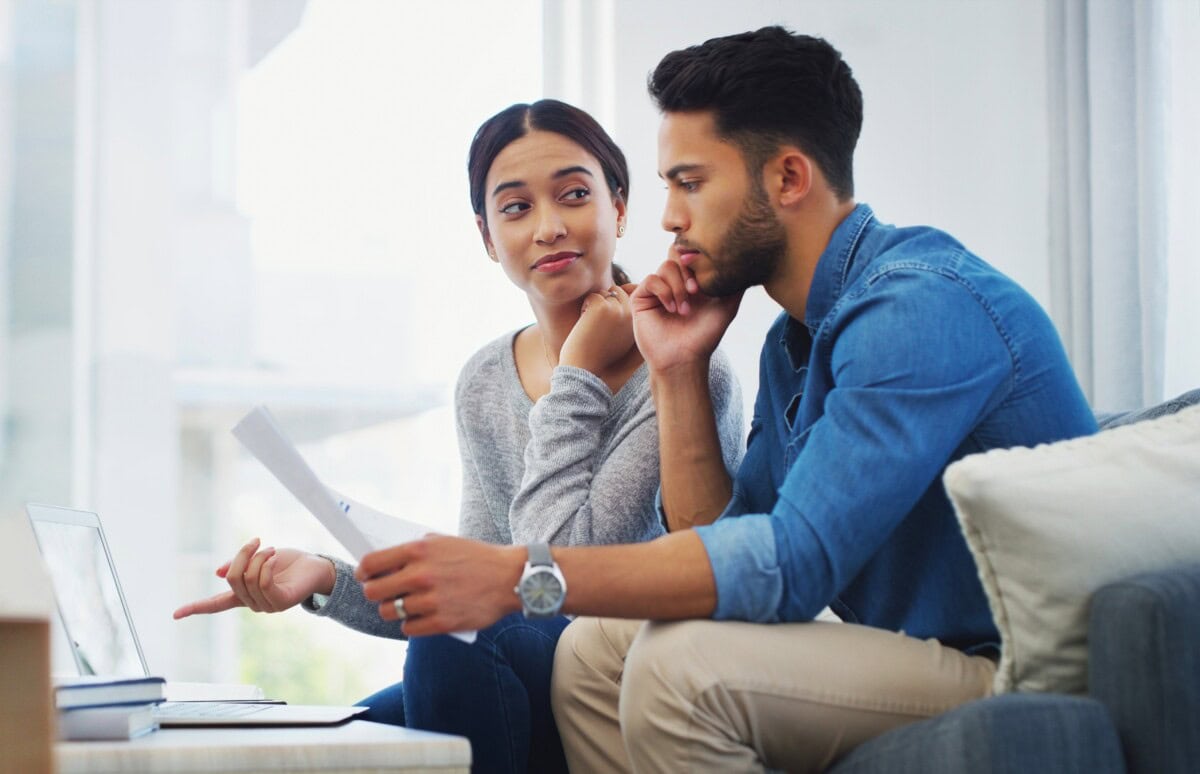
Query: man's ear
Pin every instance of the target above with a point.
(481, 224)
(793, 174)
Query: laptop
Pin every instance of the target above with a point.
(103, 640)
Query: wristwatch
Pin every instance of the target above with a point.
(542, 587)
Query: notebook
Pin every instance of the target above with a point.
(122, 721)
(92, 691)
(103, 639)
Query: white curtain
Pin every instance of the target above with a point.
(1108, 90)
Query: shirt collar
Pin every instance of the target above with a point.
(830, 277)
(833, 267)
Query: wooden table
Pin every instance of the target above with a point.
(357, 747)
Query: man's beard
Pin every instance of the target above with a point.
(751, 251)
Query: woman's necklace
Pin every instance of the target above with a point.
(546, 352)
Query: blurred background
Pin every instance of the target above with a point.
(211, 204)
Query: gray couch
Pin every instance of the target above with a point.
(1142, 711)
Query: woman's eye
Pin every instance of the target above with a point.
(514, 208)
(575, 194)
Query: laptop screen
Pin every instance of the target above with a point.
(89, 596)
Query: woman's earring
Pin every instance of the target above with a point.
(621, 229)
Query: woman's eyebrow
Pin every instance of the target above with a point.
(507, 185)
(560, 173)
(572, 170)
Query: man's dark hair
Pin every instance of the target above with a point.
(769, 88)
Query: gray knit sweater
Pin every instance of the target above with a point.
(578, 467)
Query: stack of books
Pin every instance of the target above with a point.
(107, 708)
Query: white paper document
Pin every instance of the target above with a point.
(359, 528)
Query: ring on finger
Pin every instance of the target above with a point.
(398, 606)
(611, 294)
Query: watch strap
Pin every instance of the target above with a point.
(539, 555)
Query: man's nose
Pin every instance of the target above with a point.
(674, 217)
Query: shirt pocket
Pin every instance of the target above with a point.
(794, 447)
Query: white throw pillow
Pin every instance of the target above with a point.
(1049, 526)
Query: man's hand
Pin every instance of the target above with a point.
(604, 333)
(449, 584)
(674, 322)
(266, 581)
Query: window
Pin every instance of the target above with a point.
(366, 289)
(215, 205)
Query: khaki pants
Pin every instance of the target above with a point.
(730, 696)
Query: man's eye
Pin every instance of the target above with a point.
(689, 185)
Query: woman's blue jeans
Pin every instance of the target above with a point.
(495, 692)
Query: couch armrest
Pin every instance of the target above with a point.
(1144, 666)
(1016, 733)
(1109, 420)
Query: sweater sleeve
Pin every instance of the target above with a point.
(579, 488)
(349, 607)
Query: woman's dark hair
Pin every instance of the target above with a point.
(768, 88)
(546, 115)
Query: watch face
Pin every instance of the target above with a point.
(541, 591)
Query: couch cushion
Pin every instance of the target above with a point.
(1013, 734)
(1144, 665)
(1049, 526)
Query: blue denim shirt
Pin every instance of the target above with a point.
(913, 353)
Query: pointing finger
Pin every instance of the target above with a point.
(217, 603)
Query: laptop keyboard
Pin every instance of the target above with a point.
(203, 709)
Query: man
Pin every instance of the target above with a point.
(897, 352)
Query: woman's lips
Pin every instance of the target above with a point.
(551, 263)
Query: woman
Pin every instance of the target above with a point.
(557, 433)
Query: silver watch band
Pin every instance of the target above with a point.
(539, 555)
